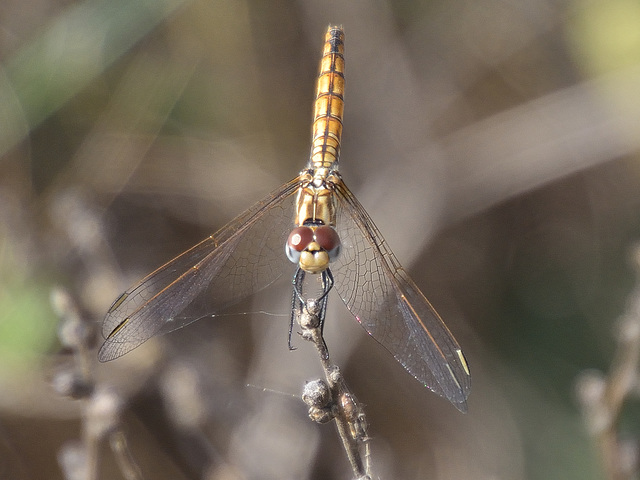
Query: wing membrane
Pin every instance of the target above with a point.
(388, 304)
(241, 258)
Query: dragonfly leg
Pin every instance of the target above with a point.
(297, 304)
(327, 285)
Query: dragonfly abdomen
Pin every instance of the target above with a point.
(329, 103)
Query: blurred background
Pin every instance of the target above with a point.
(495, 144)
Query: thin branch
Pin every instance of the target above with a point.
(102, 405)
(333, 399)
(602, 397)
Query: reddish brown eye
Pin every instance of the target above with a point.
(329, 240)
(299, 238)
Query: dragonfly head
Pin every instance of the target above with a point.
(313, 247)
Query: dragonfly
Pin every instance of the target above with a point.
(319, 224)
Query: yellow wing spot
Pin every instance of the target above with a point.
(463, 361)
(115, 331)
(118, 302)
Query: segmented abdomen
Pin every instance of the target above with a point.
(329, 103)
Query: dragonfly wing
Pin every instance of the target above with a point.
(389, 305)
(241, 258)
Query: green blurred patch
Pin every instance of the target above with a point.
(27, 327)
(604, 35)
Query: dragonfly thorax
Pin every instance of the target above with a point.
(315, 205)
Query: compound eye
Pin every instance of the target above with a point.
(298, 240)
(329, 240)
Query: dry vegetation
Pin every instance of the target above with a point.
(494, 143)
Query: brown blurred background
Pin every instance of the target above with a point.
(495, 144)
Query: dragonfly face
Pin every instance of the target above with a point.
(312, 247)
(330, 234)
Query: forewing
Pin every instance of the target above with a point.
(388, 304)
(241, 258)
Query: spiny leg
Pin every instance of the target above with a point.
(297, 303)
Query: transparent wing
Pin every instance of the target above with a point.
(386, 302)
(241, 258)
